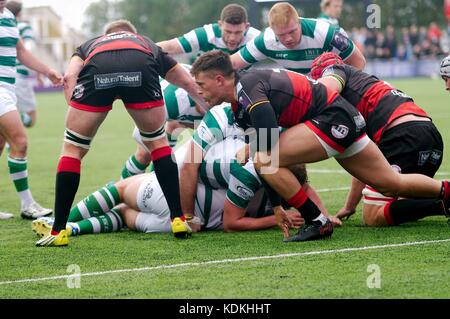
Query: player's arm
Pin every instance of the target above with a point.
(235, 219)
(70, 77)
(238, 62)
(29, 60)
(347, 50)
(180, 77)
(356, 59)
(332, 83)
(189, 177)
(353, 198)
(333, 77)
(171, 47)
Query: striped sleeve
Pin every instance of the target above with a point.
(339, 42)
(214, 127)
(244, 183)
(197, 39)
(252, 52)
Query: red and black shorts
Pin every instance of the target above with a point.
(413, 147)
(340, 128)
(129, 75)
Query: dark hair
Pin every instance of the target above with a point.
(299, 170)
(234, 14)
(14, 6)
(213, 61)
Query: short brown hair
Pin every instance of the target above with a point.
(120, 25)
(234, 14)
(215, 60)
(281, 13)
(299, 170)
(14, 6)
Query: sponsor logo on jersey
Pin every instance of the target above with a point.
(245, 192)
(281, 56)
(125, 79)
(78, 91)
(340, 131)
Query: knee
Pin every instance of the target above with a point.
(18, 145)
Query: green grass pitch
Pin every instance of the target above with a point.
(214, 264)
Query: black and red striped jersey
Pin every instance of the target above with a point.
(125, 41)
(293, 97)
(378, 101)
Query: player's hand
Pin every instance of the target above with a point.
(296, 218)
(194, 222)
(335, 221)
(344, 213)
(283, 220)
(56, 78)
(243, 154)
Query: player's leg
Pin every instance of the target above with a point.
(146, 210)
(137, 163)
(81, 127)
(372, 168)
(297, 145)
(13, 132)
(151, 126)
(401, 211)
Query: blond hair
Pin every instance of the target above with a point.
(281, 13)
(325, 4)
(120, 25)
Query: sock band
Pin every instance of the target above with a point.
(161, 152)
(69, 164)
(298, 199)
(387, 214)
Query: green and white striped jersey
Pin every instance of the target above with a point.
(217, 124)
(209, 37)
(27, 35)
(9, 36)
(220, 139)
(328, 19)
(179, 105)
(318, 37)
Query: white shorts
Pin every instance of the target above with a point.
(155, 214)
(353, 149)
(372, 197)
(26, 100)
(8, 100)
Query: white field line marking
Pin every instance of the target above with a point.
(225, 261)
(341, 171)
(326, 190)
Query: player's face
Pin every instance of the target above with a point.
(232, 34)
(210, 88)
(447, 83)
(335, 9)
(2, 4)
(290, 34)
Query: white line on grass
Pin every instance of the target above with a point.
(225, 261)
(341, 171)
